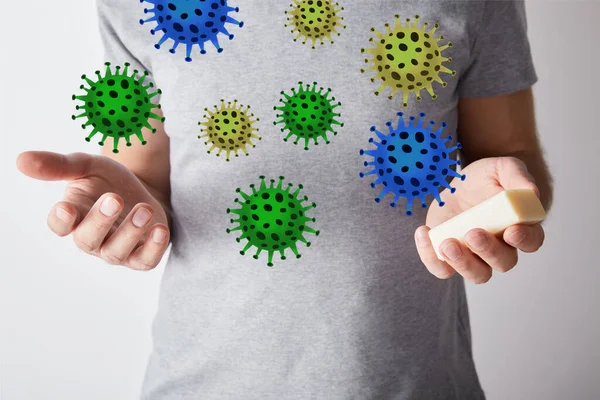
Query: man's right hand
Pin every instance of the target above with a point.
(109, 211)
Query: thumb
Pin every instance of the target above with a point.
(48, 166)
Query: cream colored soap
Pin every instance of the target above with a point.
(494, 215)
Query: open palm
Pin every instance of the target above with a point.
(107, 208)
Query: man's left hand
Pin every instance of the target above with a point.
(483, 252)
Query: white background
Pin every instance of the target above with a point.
(72, 327)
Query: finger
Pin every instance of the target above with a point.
(471, 267)
(62, 218)
(427, 254)
(513, 174)
(147, 256)
(48, 166)
(127, 236)
(494, 252)
(92, 231)
(527, 238)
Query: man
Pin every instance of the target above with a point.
(357, 316)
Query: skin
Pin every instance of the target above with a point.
(116, 206)
(502, 151)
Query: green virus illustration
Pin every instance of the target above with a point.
(117, 105)
(407, 59)
(272, 219)
(308, 114)
(229, 129)
(315, 20)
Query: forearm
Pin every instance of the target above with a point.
(505, 126)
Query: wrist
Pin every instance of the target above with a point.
(162, 198)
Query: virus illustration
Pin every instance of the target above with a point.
(315, 20)
(272, 219)
(229, 129)
(308, 114)
(411, 161)
(407, 59)
(117, 105)
(192, 22)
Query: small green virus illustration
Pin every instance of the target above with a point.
(315, 20)
(407, 59)
(229, 128)
(308, 114)
(272, 219)
(117, 105)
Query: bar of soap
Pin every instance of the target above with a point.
(507, 208)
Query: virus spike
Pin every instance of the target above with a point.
(245, 196)
(237, 228)
(263, 185)
(311, 230)
(112, 105)
(215, 42)
(297, 192)
(272, 219)
(413, 163)
(437, 197)
(280, 184)
(409, 206)
(420, 122)
(418, 60)
(190, 23)
(88, 80)
(294, 249)
(246, 248)
(412, 121)
(380, 135)
(163, 39)
(308, 114)
(253, 187)
(103, 140)
(303, 240)
(91, 135)
(455, 174)
(74, 117)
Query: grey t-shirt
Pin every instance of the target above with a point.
(357, 316)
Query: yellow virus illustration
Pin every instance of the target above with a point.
(229, 129)
(407, 59)
(315, 20)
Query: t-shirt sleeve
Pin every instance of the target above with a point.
(118, 26)
(501, 61)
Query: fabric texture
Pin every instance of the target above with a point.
(357, 316)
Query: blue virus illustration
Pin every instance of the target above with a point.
(411, 161)
(191, 22)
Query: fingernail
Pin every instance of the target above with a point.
(452, 252)
(478, 241)
(517, 237)
(109, 207)
(159, 236)
(141, 217)
(422, 237)
(63, 214)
